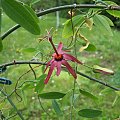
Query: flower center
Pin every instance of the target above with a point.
(58, 57)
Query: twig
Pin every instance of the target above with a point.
(99, 81)
(13, 105)
(21, 62)
(12, 29)
(43, 63)
(54, 9)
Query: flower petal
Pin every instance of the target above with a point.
(69, 68)
(70, 57)
(58, 68)
(50, 72)
(48, 64)
(60, 46)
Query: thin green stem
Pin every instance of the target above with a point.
(43, 107)
(12, 104)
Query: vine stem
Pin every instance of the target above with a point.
(43, 63)
(74, 83)
(99, 81)
(13, 105)
(54, 9)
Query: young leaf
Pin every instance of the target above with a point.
(99, 69)
(29, 50)
(21, 14)
(88, 94)
(91, 48)
(89, 113)
(67, 31)
(114, 13)
(87, 43)
(102, 24)
(40, 85)
(52, 95)
(56, 108)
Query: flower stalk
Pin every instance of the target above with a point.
(50, 40)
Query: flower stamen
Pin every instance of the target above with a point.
(58, 57)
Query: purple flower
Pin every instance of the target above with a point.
(60, 58)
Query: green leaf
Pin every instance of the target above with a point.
(67, 31)
(88, 94)
(91, 48)
(40, 85)
(32, 12)
(114, 13)
(89, 113)
(56, 108)
(102, 24)
(28, 86)
(52, 95)
(21, 14)
(1, 45)
(99, 69)
(109, 20)
(29, 50)
(24, 98)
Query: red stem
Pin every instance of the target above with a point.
(50, 39)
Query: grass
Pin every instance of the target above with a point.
(107, 55)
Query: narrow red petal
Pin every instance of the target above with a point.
(58, 68)
(50, 72)
(70, 57)
(48, 64)
(60, 46)
(70, 69)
